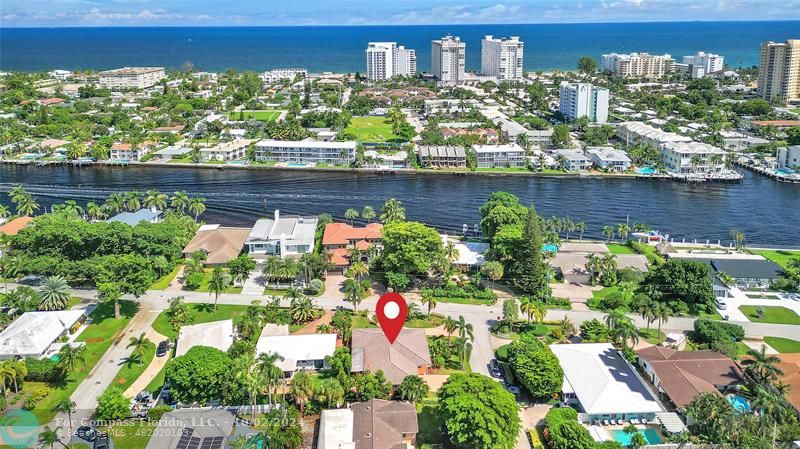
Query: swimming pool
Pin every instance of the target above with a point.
(296, 164)
(550, 248)
(646, 171)
(650, 435)
(739, 403)
(785, 171)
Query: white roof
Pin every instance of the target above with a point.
(336, 429)
(645, 130)
(692, 148)
(602, 380)
(469, 253)
(511, 147)
(292, 229)
(216, 334)
(32, 333)
(306, 144)
(609, 154)
(294, 348)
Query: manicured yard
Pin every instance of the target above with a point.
(431, 423)
(361, 321)
(772, 314)
(605, 291)
(425, 322)
(264, 116)
(469, 301)
(372, 129)
(98, 337)
(783, 345)
(131, 370)
(207, 279)
(164, 282)
(504, 169)
(131, 434)
(185, 160)
(202, 313)
(653, 336)
(779, 256)
(616, 248)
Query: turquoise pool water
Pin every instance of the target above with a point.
(55, 357)
(551, 248)
(785, 171)
(650, 434)
(295, 164)
(646, 170)
(739, 403)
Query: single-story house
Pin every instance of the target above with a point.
(407, 356)
(32, 334)
(173, 152)
(571, 258)
(470, 254)
(601, 383)
(282, 236)
(747, 273)
(790, 365)
(682, 375)
(215, 334)
(299, 352)
(193, 429)
(375, 424)
(134, 218)
(220, 244)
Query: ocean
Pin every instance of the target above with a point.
(341, 48)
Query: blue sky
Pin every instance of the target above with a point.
(379, 12)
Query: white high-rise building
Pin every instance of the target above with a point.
(701, 64)
(386, 59)
(448, 58)
(583, 99)
(638, 64)
(132, 77)
(502, 58)
(779, 71)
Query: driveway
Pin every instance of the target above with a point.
(739, 298)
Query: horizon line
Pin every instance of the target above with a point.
(653, 21)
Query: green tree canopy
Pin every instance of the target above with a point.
(411, 247)
(198, 375)
(536, 367)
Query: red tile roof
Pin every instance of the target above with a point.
(344, 234)
(15, 225)
(339, 257)
(49, 101)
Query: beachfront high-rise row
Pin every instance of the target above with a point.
(386, 60)
(448, 59)
(502, 57)
(779, 71)
(638, 64)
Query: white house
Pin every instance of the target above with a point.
(306, 152)
(226, 151)
(127, 152)
(216, 334)
(692, 157)
(572, 160)
(32, 334)
(609, 158)
(299, 352)
(499, 156)
(638, 133)
(282, 236)
(789, 157)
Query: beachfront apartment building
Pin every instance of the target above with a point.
(637, 64)
(499, 156)
(386, 60)
(277, 75)
(448, 59)
(125, 152)
(132, 77)
(682, 158)
(779, 71)
(226, 151)
(306, 152)
(502, 57)
(583, 100)
(701, 64)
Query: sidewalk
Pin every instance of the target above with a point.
(152, 370)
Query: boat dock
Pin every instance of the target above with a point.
(771, 173)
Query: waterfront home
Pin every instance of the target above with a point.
(749, 273)
(220, 244)
(395, 159)
(688, 158)
(470, 254)
(407, 356)
(602, 384)
(736, 141)
(442, 156)
(14, 226)
(151, 215)
(571, 258)
(789, 158)
(226, 151)
(306, 152)
(499, 156)
(34, 333)
(48, 145)
(375, 424)
(282, 236)
(193, 428)
(339, 238)
(298, 352)
(609, 158)
(638, 133)
(680, 376)
(572, 160)
(215, 334)
(122, 151)
(790, 365)
(173, 152)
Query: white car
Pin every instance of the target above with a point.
(721, 305)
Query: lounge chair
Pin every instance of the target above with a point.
(644, 420)
(613, 422)
(605, 422)
(634, 421)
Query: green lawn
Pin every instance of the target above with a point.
(606, 291)
(131, 370)
(616, 248)
(164, 282)
(431, 423)
(653, 336)
(207, 279)
(131, 434)
(361, 321)
(372, 129)
(185, 160)
(504, 169)
(264, 116)
(202, 313)
(741, 348)
(783, 345)
(779, 256)
(470, 301)
(772, 314)
(425, 322)
(98, 337)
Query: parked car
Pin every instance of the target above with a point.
(162, 349)
(721, 305)
(513, 389)
(494, 369)
(87, 433)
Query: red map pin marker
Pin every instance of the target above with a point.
(391, 312)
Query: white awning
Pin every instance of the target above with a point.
(671, 422)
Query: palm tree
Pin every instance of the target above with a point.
(269, 371)
(412, 389)
(351, 214)
(569, 226)
(762, 365)
(4, 211)
(450, 253)
(449, 326)
(49, 437)
(196, 207)
(180, 201)
(648, 309)
(7, 373)
(623, 230)
(115, 203)
(67, 406)
(95, 211)
(625, 330)
(428, 299)
(392, 211)
(662, 314)
(303, 310)
(155, 199)
(464, 329)
(217, 284)
(532, 309)
(353, 292)
(138, 344)
(69, 356)
(54, 294)
(26, 205)
(302, 390)
(608, 233)
(359, 270)
(368, 213)
(133, 201)
(20, 371)
(246, 372)
(594, 267)
(614, 318)
(17, 192)
(178, 314)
